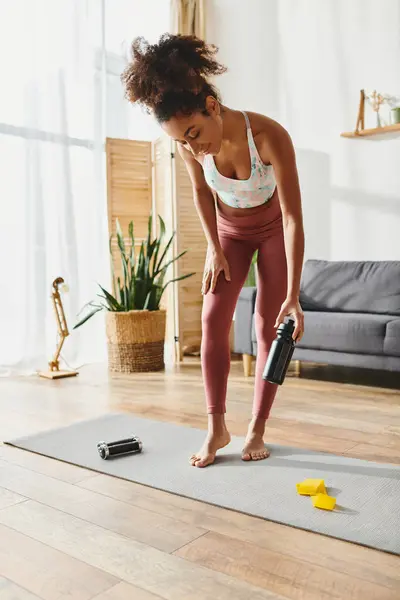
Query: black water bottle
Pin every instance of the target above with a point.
(131, 445)
(280, 354)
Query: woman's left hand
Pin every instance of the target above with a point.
(292, 307)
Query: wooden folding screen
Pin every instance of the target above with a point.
(129, 190)
(191, 238)
(150, 178)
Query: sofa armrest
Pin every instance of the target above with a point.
(244, 320)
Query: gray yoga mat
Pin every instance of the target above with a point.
(368, 494)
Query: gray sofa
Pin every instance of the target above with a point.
(351, 315)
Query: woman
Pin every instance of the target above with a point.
(247, 160)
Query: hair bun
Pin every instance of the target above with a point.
(176, 64)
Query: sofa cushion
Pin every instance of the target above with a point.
(345, 332)
(351, 286)
(391, 345)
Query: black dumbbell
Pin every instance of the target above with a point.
(131, 445)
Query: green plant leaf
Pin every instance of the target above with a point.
(172, 281)
(159, 293)
(107, 306)
(160, 278)
(132, 252)
(130, 231)
(132, 291)
(87, 317)
(150, 249)
(126, 303)
(158, 243)
(157, 248)
(124, 293)
(147, 301)
(173, 260)
(112, 265)
(91, 303)
(141, 291)
(149, 227)
(143, 277)
(120, 237)
(141, 267)
(155, 293)
(162, 227)
(158, 266)
(110, 299)
(178, 279)
(125, 296)
(119, 291)
(124, 300)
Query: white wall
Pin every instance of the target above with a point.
(303, 63)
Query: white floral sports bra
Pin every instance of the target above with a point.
(242, 193)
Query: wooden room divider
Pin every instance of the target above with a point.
(146, 178)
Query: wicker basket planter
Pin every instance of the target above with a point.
(135, 324)
(135, 340)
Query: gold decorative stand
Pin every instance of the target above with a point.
(55, 372)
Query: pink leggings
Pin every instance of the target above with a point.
(240, 237)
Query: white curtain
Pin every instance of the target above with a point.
(60, 96)
(188, 17)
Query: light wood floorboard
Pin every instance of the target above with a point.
(109, 539)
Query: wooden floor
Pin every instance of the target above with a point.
(66, 532)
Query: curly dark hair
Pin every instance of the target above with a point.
(170, 77)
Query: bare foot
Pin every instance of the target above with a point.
(213, 443)
(254, 447)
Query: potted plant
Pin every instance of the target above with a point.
(135, 323)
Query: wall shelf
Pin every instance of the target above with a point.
(388, 130)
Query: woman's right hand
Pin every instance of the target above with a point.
(215, 264)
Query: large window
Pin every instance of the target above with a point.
(60, 65)
(126, 19)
